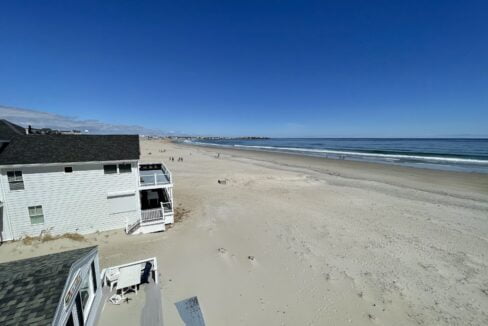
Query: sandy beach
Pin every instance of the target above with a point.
(291, 240)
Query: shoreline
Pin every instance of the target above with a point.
(421, 159)
(413, 177)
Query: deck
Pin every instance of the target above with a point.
(154, 174)
(155, 214)
(145, 308)
(154, 178)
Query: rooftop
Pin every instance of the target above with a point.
(58, 148)
(8, 130)
(30, 289)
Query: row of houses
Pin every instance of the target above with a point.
(61, 183)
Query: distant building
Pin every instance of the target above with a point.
(70, 132)
(58, 183)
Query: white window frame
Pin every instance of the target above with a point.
(37, 208)
(15, 179)
(91, 295)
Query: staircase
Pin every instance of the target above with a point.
(133, 227)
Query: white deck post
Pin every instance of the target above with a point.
(172, 200)
(162, 211)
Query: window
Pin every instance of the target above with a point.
(36, 215)
(87, 294)
(94, 275)
(15, 180)
(125, 168)
(110, 169)
(70, 321)
(68, 169)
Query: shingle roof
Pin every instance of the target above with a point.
(32, 149)
(8, 130)
(31, 289)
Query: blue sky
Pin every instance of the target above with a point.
(274, 68)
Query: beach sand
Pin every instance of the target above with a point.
(291, 240)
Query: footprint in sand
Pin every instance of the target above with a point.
(222, 251)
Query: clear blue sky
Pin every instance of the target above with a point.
(277, 68)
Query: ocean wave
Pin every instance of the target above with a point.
(370, 155)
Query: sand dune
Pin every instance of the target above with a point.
(289, 240)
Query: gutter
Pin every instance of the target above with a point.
(9, 166)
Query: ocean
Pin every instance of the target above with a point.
(465, 155)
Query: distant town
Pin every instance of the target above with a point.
(49, 131)
(203, 137)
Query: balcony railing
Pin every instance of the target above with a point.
(154, 175)
(151, 215)
(154, 179)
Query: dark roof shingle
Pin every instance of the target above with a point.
(31, 289)
(32, 149)
(8, 130)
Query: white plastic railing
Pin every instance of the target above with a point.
(167, 172)
(154, 179)
(162, 211)
(139, 262)
(130, 225)
(158, 177)
(150, 215)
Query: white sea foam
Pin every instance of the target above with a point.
(357, 155)
(439, 159)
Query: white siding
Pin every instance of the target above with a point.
(122, 204)
(71, 202)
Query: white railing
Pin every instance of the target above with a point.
(154, 179)
(166, 171)
(130, 225)
(142, 263)
(151, 215)
(162, 212)
(167, 206)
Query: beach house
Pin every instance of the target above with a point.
(76, 183)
